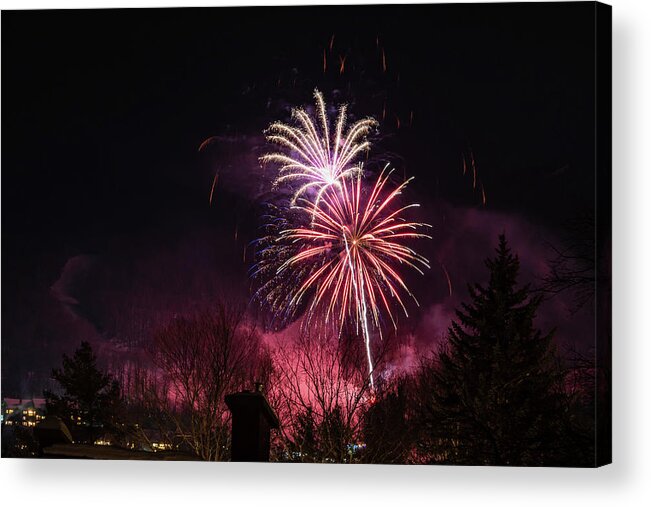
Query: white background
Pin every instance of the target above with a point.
(626, 482)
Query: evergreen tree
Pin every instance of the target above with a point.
(494, 395)
(329, 440)
(90, 398)
(387, 434)
(304, 447)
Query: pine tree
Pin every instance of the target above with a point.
(494, 394)
(304, 447)
(90, 397)
(387, 434)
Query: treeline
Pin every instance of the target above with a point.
(497, 393)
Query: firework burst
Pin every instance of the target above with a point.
(313, 159)
(342, 265)
(355, 238)
(334, 249)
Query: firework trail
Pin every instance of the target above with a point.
(212, 187)
(314, 159)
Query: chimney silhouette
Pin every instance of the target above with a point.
(253, 420)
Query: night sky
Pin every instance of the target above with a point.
(107, 230)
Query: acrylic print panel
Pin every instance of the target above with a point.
(370, 234)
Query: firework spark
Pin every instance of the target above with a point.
(447, 277)
(212, 188)
(313, 159)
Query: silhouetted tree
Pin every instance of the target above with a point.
(572, 269)
(19, 443)
(304, 444)
(583, 383)
(581, 268)
(198, 360)
(388, 436)
(90, 398)
(495, 395)
(321, 389)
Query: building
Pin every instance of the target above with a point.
(22, 412)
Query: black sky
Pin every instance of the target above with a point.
(103, 112)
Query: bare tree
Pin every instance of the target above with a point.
(149, 408)
(197, 361)
(573, 267)
(321, 391)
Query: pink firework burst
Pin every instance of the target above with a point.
(355, 244)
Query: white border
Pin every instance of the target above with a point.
(627, 482)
